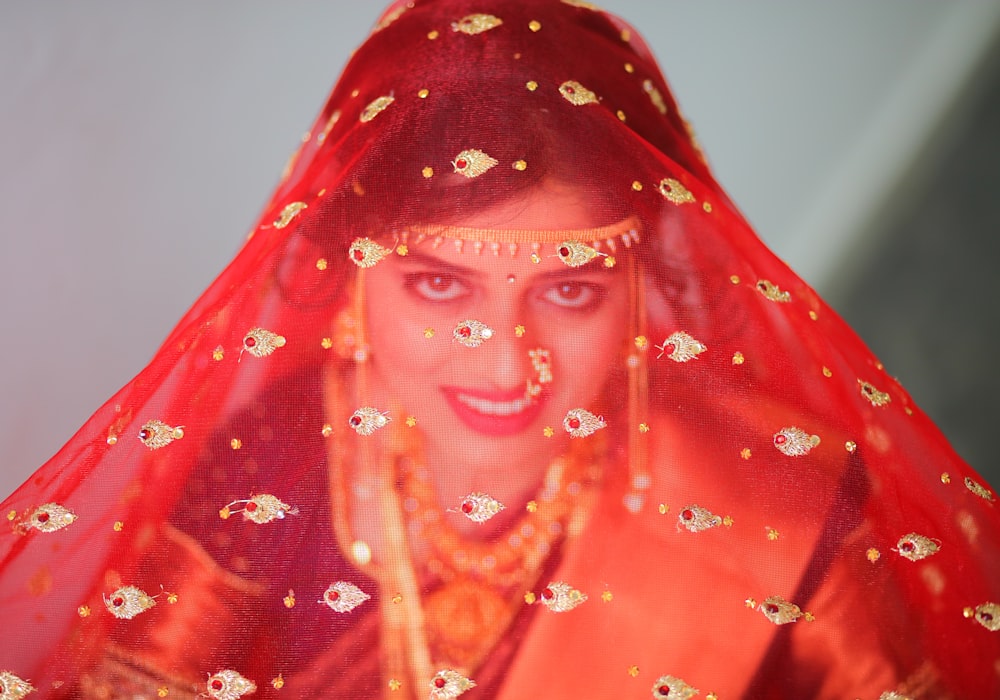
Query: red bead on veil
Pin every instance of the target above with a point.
(502, 396)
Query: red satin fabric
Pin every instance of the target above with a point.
(751, 463)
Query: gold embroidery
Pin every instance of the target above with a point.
(343, 597)
(876, 397)
(561, 597)
(262, 508)
(364, 252)
(128, 601)
(673, 191)
(772, 292)
(472, 333)
(978, 489)
(671, 688)
(780, 611)
(479, 507)
(261, 343)
(448, 684)
(376, 107)
(366, 420)
(476, 24)
(988, 615)
(575, 253)
(580, 423)
(916, 547)
(680, 347)
(534, 25)
(288, 213)
(48, 517)
(577, 94)
(229, 685)
(694, 518)
(473, 163)
(654, 95)
(328, 127)
(795, 442)
(155, 434)
(13, 687)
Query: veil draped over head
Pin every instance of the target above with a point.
(503, 397)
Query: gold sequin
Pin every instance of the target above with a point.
(773, 292)
(577, 94)
(916, 547)
(479, 507)
(321, 264)
(423, 93)
(561, 597)
(326, 343)
(261, 343)
(827, 372)
(580, 423)
(261, 508)
(448, 684)
(433, 34)
(607, 596)
(520, 165)
(672, 688)
(402, 250)
(979, 489)
(288, 213)
(873, 555)
(674, 192)
(629, 68)
(735, 279)
(738, 358)
(49, 517)
(229, 685)
(162, 692)
(531, 85)
(654, 96)
(327, 430)
(410, 421)
(795, 442)
(118, 526)
(529, 598)
(364, 252)
(680, 347)
(663, 509)
(643, 427)
(235, 443)
(472, 333)
(278, 682)
(621, 115)
(289, 600)
(876, 397)
(428, 332)
(694, 518)
(476, 24)
(155, 434)
(12, 687)
(428, 172)
(988, 615)
(773, 534)
(519, 330)
(945, 478)
(343, 597)
(534, 25)
(637, 186)
(548, 431)
(851, 446)
(779, 611)
(473, 163)
(575, 253)
(128, 601)
(218, 354)
(750, 603)
(745, 453)
(706, 207)
(367, 420)
(394, 684)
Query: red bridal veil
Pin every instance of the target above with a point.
(503, 397)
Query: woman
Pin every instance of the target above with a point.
(504, 397)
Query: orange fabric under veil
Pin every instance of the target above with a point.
(503, 398)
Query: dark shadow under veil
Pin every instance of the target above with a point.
(504, 397)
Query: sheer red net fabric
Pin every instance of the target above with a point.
(503, 397)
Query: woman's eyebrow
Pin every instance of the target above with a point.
(419, 258)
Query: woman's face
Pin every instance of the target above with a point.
(473, 404)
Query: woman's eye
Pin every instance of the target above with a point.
(434, 286)
(574, 295)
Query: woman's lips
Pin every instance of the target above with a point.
(494, 413)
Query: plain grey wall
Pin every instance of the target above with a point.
(140, 139)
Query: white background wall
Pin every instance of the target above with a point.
(138, 141)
